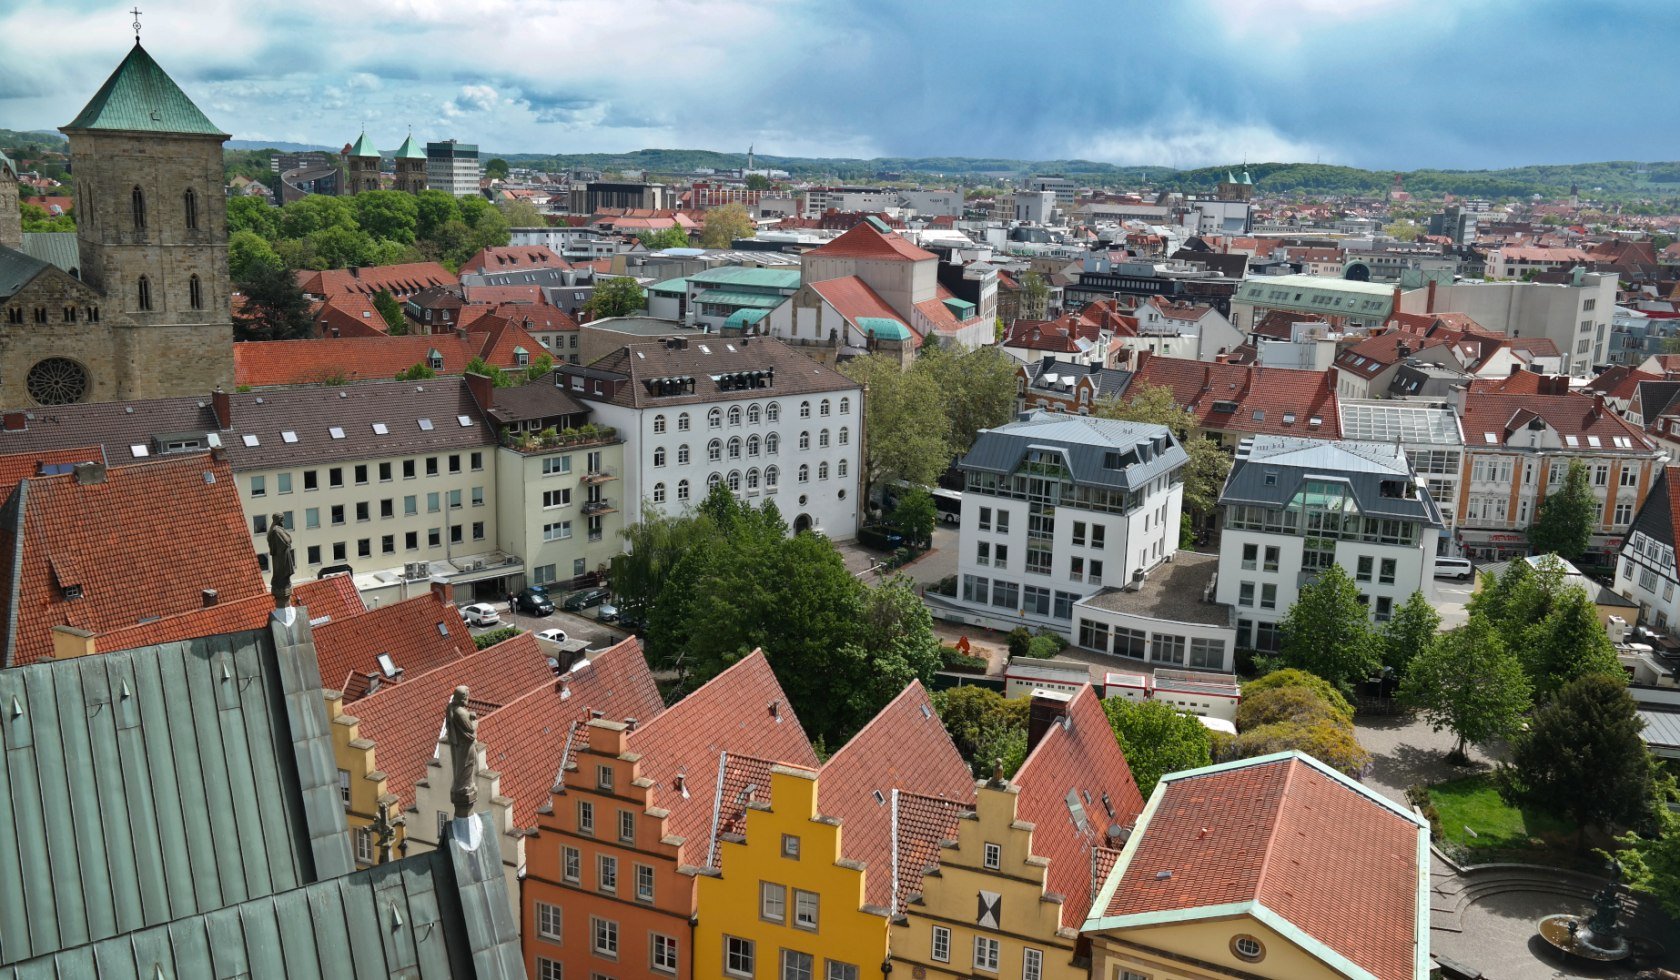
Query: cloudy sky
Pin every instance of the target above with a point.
(1375, 83)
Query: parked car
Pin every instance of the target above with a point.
(879, 537)
(534, 601)
(585, 599)
(632, 619)
(480, 614)
(552, 635)
(607, 613)
(1459, 568)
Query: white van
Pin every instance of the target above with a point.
(1460, 568)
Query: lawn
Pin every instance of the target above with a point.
(1474, 802)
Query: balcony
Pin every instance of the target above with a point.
(548, 440)
(593, 508)
(601, 474)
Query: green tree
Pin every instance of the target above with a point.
(535, 370)
(726, 223)
(1035, 296)
(1328, 632)
(419, 372)
(1582, 757)
(672, 237)
(1158, 739)
(451, 244)
(1497, 594)
(1409, 632)
(652, 547)
(1568, 643)
(914, 516)
(248, 251)
(315, 213)
(36, 218)
(894, 644)
(391, 312)
(496, 169)
(340, 247)
(985, 726)
(1469, 683)
(522, 214)
(433, 210)
(1331, 744)
(1652, 858)
(275, 307)
(498, 377)
(1295, 703)
(1565, 520)
(758, 182)
(490, 228)
(391, 215)
(615, 296)
(904, 416)
(978, 388)
(1290, 677)
(1204, 474)
(253, 214)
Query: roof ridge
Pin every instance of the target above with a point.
(915, 684)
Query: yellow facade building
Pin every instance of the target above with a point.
(1012, 888)
(805, 887)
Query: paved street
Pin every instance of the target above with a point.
(577, 627)
(1450, 597)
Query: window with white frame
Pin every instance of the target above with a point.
(604, 937)
(1032, 964)
(549, 922)
(606, 872)
(804, 909)
(941, 944)
(738, 956)
(841, 971)
(573, 866)
(993, 856)
(986, 952)
(586, 817)
(364, 845)
(644, 883)
(627, 826)
(772, 901)
(797, 965)
(548, 969)
(664, 953)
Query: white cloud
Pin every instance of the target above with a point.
(1186, 143)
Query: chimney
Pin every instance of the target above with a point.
(223, 406)
(90, 474)
(629, 724)
(15, 421)
(483, 390)
(209, 596)
(1046, 709)
(1397, 298)
(444, 592)
(1429, 298)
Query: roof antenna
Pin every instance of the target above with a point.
(136, 13)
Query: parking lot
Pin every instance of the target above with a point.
(578, 626)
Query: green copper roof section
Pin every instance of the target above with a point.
(409, 151)
(744, 318)
(140, 97)
(739, 276)
(726, 297)
(883, 328)
(363, 147)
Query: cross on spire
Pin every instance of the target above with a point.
(136, 13)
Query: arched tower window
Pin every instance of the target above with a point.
(145, 293)
(138, 201)
(195, 291)
(189, 202)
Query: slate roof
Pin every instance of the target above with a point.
(61, 248)
(904, 747)
(1147, 451)
(17, 270)
(418, 634)
(336, 360)
(309, 414)
(1263, 400)
(164, 783)
(140, 97)
(863, 241)
(1270, 470)
(327, 599)
(1288, 834)
(703, 358)
(1659, 515)
(525, 740)
(403, 721)
(731, 713)
(143, 543)
(1107, 382)
(1374, 355)
(1077, 756)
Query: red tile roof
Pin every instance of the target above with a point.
(1572, 416)
(331, 598)
(1085, 759)
(143, 543)
(1374, 355)
(544, 319)
(854, 299)
(273, 363)
(400, 281)
(1262, 396)
(403, 721)
(1063, 335)
(924, 823)
(742, 710)
(863, 241)
(526, 739)
(408, 632)
(499, 295)
(1337, 862)
(505, 258)
(22, 466)
(1278, 324)
(1619, 382)
(904, 747)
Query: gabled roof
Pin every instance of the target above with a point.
(140, 97)
(22, 466)
(742, 710)
(416, 635)
(144, 542)
(904, 747)
(323, 360)
(865, 241)
(924, 823)
(1372, 356)
(1097, 452)
(504, 258)
(1245, 398)
(1074, 786)
(1659, 515)
(526, 739)
(1337, 867)
(326, 600)
(17, 270)
(1579, 421)
(857, 301)
(398, 280)
(1063, 377)
(1618, 382)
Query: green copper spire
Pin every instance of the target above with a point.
(409, 150)
(140, 97)
(363, 147)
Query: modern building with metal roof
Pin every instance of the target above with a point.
(1430, 435)
(1343, 302)
(1293, 507)
(179, 816)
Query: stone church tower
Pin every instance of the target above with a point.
(411, 167)
(150, 315)
(361, 166)
(11, 219)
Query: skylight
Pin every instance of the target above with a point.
(1595, 442)
(1490, 438)
(1571, 441)
(425, 425)
(387, 665)
(381, 429)
(250, 440)
(336, 432)
(139, 450)
(287, 435)
(465, 420)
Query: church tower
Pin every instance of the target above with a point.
(361, 166)
(411, 167)
(151, 226)
(11, 219)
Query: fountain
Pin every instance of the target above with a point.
(1597, 937)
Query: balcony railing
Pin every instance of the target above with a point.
(593, 507)
(548, 440)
